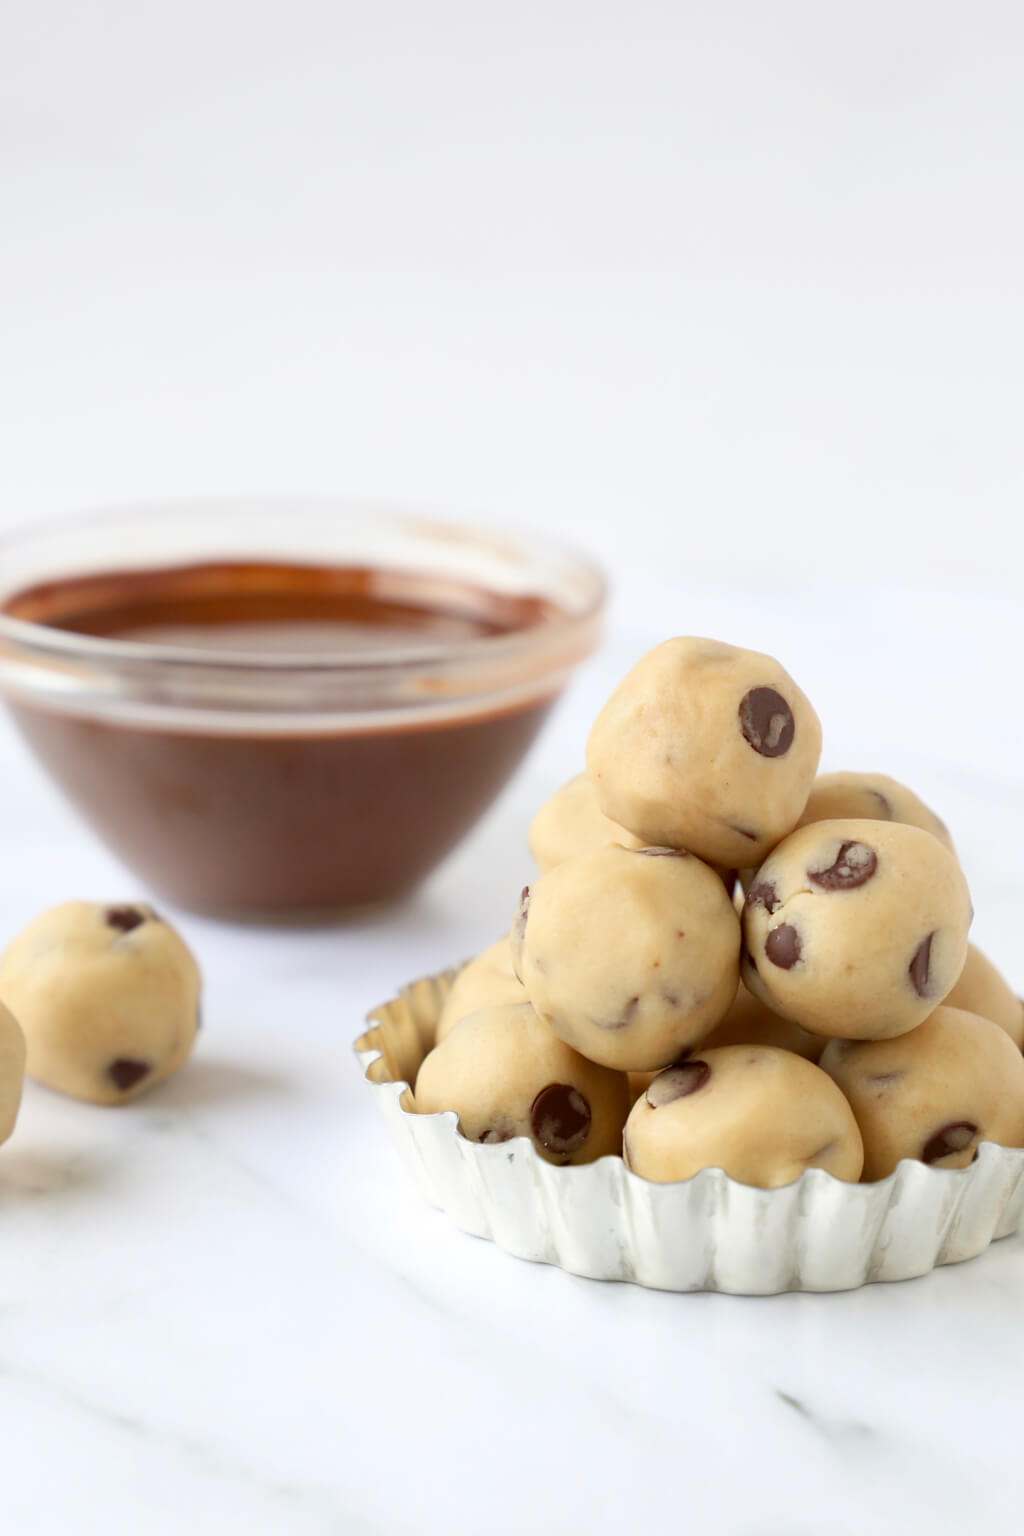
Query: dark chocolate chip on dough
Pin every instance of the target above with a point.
(920, 965)
(853, 865)
(124, 918)
(125, 1072)
(560, 1118)
(783, 947)
(763, 894)
(952, 1138)
(677, 1083)
(766, 721)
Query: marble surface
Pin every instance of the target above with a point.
(225, 1308)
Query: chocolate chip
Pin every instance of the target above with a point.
(125, 1072)
(919, 965)
(853, 865)
(677, 1083)
(522, 912)
(625, 1019)
(494, 1134)
(124, 918)
(560, 1118)
(764, 894)
(745, 831)
(952, 1138)
(884, 804)
(783, 947)
(766, 721)
(663, 853)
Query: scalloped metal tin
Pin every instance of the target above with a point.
(708, 1233)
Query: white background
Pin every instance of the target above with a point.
(731, 295)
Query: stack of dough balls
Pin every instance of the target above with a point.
(730, 961)
(106, 1004)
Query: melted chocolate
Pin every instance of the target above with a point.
(302, 820)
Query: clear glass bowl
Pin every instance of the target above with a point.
(285, 783)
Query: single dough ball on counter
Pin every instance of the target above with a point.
(933, 1094)
(762, 1114)
(629, 955)
(486, 982)
(981, 989)
(856, 929)
(870, 797)
(107, 998)
(706, 747)
(570, 823)
(505, 1074)
(12, 1070)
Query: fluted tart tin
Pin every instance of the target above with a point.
(707, 1233)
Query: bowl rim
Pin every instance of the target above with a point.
(49, 641)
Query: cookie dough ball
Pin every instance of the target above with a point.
(751, 1022)
(706, 747)
(762, 1114)
(12, 1070)
(982, 990)
(934, 1094)
(570, 823)
(748, 1022)
(629, 955)
(870, 797)
(856, 929)
(107, 997)
(505, 1074)
(486, 982)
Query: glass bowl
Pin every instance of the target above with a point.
(292, 780)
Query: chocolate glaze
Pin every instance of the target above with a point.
(238, 821)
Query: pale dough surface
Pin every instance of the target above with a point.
(748, 1022)
(981, 989)
(570, 822)
(107, 997)
(707, 747)
(871, 797)
(629, 955)
(12, 1070)
(505, 1074)
(934, 1093)
(761, 1114)
(856, 929)
(487, 981)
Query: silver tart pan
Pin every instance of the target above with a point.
(708, 1233)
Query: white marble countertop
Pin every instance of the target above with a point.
(225, 1307)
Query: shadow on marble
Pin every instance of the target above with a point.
(206, 1080)
(37, 1173)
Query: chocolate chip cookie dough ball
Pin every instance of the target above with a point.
(629, 955)
(505, 1074)
(12, 1070)
(107, 998)
(762, 1114)
(870, 797)
(750, 1022)
(981, 989)
(706, 747)
(570, 823)
(486, 982)
(856, 929)
(933, 1094)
